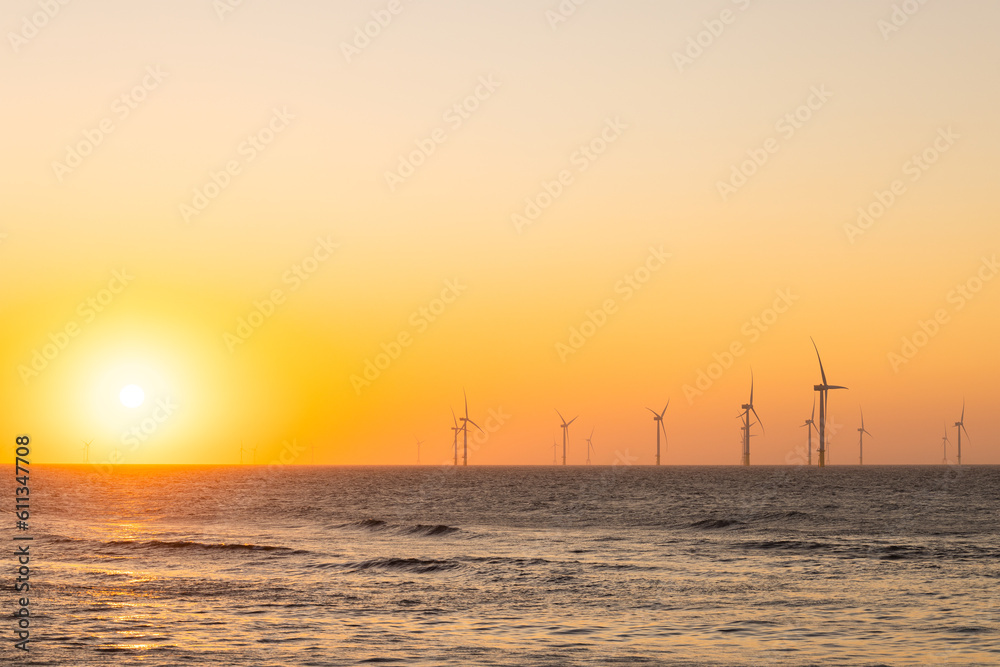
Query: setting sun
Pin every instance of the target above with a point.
(132, 396)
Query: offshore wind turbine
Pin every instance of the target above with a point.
(465, 430)
(960, 426)
(944, 444)
(861, 440)
(456, 429)
(747, 409)
(658, 418)
(86, 450)
(419, 442)
(555, 448)
(823, 390)
(565, 430)
(590, 445)
(811, 423)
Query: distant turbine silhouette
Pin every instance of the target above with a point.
(960, 426)
(419, 442)
(944, 443)
(565, 430)
(86, 450)
(590, 445)
(658, 418)
(861, 440)
(811, 423)
(747, 409)
(823, 390)
(456, 429)
(465, 430)
(555, 448)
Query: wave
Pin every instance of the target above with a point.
(716, 524)
(420, 529)
(415, 565)
(186, 544)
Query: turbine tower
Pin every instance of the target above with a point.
(960, 426)
(419, 442)
(456, 429)
(861, 440)
(465, 431)
(747, 409)
(823, 390)
(811, 423)
(555, 448)
(565, 430)
(590, 445)
(658, 418)
(944, 444)
(86, 450)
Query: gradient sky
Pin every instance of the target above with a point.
(223, 76)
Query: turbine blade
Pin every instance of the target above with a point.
(653, 411)
(474, 424)
(963, 410)
(836, 387)
(592, 432)
(751, 386)
(821, 371)
(966, 433)
(665, 409)
(454, 418)
(572, 420)
(466, 402)
(758, 420)
(561, 417)
(813, 418)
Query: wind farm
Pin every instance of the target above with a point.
(749, 419)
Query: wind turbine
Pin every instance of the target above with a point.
(861, 440)
(960, 426)
(811, 423)
(747, 409)
(590, 446)
(419, 442)
(658, 418)
(86, 450)
(565, 428)
(823, 390)
(944, 443)
(555, 447)
(465, 431)
(456, 429)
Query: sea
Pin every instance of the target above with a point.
(443, 565)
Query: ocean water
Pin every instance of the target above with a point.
(244, 565)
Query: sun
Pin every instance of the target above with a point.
(132, 396)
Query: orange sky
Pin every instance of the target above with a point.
(240, 210)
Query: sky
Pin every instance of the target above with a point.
(305, 229)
